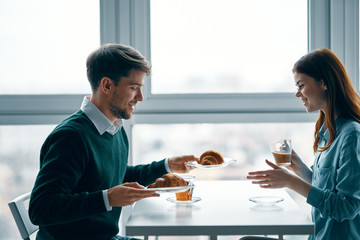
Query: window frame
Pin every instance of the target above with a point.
(332, 24)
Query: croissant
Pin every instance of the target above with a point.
(169, 180)
(211, 158)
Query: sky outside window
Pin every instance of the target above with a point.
(231, 46)
(44, 45)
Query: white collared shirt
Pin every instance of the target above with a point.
(100, 121)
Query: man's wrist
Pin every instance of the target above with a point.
(167, 165)
(106, 200)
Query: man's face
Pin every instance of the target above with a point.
(126, 94)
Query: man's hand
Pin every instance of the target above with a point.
(128, 193)
(178, 164)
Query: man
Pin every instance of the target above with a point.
(84, 179)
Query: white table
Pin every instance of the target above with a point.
(225, 209)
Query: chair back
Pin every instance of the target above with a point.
(21, 216)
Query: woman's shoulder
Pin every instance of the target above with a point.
(349, 126)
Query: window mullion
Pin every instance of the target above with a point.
(319, 24)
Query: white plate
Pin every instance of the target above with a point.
(227, 161)
(193, 200)
(266, 200)
(171, 189)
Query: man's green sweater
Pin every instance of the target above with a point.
(76, 164)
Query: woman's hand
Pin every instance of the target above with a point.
(299, 167)
(279, 178)
(274, 178)
(296, 162)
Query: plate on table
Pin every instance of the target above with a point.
(193, 200)
(266, 200)
(227, 161)
(171, 189)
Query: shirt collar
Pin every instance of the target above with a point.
(100, 121)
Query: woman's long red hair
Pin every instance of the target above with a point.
(342, 98)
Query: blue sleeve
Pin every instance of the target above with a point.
(343, 201)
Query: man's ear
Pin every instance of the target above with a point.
(105, 85)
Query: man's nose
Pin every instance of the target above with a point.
(139, 96)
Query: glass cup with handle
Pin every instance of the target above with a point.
(281, 150)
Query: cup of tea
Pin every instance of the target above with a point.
(281, 150)
(187, 195)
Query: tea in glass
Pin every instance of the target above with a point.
(281, 151)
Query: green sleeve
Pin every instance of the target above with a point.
(146, 173)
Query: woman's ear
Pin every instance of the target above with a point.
(324, 87)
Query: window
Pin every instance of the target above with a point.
(236, 46)
(44, 45)
(19, 165)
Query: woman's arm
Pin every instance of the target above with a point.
(336, 192)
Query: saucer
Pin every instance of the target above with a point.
(193, 200)
(266, 200)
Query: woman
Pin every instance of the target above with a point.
(332, 185)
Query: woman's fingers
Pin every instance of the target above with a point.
(259, 172)
(271, 164)
(260, 182)
(274, 178)
(256, 177)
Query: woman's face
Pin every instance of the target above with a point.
(312, 92)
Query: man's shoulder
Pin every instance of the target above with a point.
(77, 122)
